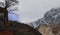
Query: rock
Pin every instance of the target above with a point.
(50, 29)
(53, 15)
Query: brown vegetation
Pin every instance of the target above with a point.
(50, 29)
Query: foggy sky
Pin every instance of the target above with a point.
(31, 10)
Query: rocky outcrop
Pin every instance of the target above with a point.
(50, 29)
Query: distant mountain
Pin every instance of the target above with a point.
(37, 23)
(52, 16)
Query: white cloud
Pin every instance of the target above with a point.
(30, 10)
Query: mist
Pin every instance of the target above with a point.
(31, 10)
